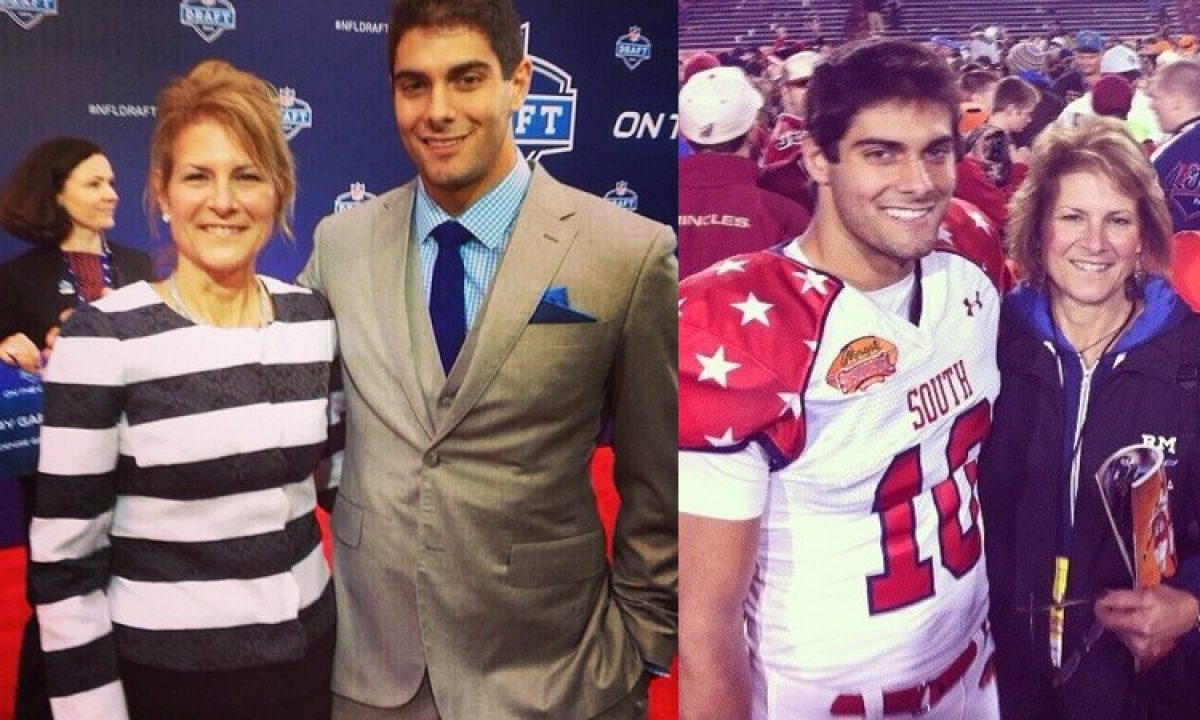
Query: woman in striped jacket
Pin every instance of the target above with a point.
(177, 566)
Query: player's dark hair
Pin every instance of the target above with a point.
(869, 72)
(29, 207)
(496, 19)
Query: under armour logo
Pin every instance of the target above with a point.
(973, 305)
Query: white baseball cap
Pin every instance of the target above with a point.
(800, 65)
(718, 105)
(1119, 59)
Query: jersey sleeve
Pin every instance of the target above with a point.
(967, 231)
(732, 486)
(748, 333)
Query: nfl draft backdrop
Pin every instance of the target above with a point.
(600, 114)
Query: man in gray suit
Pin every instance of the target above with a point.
(491, 321)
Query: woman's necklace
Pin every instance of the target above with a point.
(1110, 336)
(264, 302)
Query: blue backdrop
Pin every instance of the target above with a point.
(94, 68)
(601, 114)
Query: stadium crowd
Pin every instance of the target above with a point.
(1012, 89)
(1066, 166)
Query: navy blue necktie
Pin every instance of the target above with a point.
(447, 308)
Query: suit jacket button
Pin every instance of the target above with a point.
(432, 459)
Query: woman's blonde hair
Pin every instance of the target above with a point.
(1096, 144)
(246, 106)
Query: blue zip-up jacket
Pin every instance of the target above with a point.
(1132, 395)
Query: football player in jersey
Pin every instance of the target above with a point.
(834, 392)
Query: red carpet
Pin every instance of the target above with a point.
(13, 612)
(664, 692)
(664, 699)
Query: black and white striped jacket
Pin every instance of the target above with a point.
(174, 520)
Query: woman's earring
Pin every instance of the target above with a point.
(1136, 281)
(166, 218)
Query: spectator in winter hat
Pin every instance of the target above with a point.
(1027, 60)
(1112, 96)
(1025, 56)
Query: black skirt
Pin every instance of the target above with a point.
(297, 690)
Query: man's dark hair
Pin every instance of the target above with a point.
(496, 19)
(975, 81)
(868, 72)
(1013, 91)
(29, 207)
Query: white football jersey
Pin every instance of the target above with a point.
(865, 429)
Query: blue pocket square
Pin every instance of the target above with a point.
(554, 308)
(556, 295)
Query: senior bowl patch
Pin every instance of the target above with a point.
(862, 363)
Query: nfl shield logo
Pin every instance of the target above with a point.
(209, 18)
(296, 113)
(28, 13)
(622, 196)
(357, 195)
(633, 48)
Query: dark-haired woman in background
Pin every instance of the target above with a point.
(60, 199)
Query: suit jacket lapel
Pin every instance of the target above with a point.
(541, 237)
(388, 258)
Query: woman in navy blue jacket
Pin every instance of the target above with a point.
(1095, 351)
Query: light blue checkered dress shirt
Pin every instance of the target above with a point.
(490, 219)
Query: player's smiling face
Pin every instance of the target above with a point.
(892, 183)
(452, 105)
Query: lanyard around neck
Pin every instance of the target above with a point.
(106, 273)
